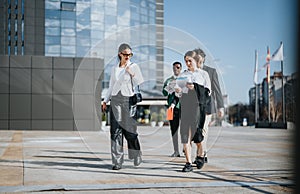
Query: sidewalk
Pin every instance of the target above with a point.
(240, 160)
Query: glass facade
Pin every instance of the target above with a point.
(74, 27)
(46, 43)
(15, 27)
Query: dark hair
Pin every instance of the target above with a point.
(123, 47)
(192, 54)
(200, 52)
(177, 62)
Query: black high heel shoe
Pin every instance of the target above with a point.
(117, 167)
(137, 161)
(199, 162)
(205, 158)
(175, 154)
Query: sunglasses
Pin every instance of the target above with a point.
(177, 67)
(127, 55)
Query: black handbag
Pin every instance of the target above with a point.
(133, 100)
(136, 98)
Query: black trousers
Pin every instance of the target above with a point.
(122, 125)
(174, 125)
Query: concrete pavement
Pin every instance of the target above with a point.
(241, 160)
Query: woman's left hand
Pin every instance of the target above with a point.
(129, 71)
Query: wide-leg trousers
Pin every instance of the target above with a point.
(123, 125)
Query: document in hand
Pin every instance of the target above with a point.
(170, 88)
(181, 82)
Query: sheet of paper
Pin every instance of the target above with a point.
(170, 88)
(181, 82)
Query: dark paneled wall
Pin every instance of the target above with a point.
(50, 93)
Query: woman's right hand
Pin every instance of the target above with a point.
(178, 92)
(190, 86)
(103, 106)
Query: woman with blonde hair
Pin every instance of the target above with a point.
(193, 99)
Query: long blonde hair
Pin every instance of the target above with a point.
(194, 55)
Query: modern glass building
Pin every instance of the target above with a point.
(72, 28)
(44, 44)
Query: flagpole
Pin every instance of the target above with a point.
(283, 100)
(278, 56)
(282, 85)
(256, 103)
(268, 81)
(269, 107)
(256, 87)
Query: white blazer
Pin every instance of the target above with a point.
(120, 80)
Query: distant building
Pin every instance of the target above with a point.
(275, 97)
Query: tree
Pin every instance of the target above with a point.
(239, 111)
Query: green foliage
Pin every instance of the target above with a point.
(147, 111)
(161, 115)
(154, 116)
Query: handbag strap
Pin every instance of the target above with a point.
(138, 86)
(132, 83)
(132, 86)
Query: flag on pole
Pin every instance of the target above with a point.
(268, 64)
(278, 54)
(256, 68)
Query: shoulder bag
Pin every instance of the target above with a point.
(137, 97)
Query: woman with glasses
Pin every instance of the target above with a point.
(125, 76)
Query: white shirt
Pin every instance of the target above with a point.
(120, 80)
(199, 76)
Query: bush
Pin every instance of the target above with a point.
(154, 116)
(162, 115)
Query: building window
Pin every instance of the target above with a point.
(22, 27)
(68, 6)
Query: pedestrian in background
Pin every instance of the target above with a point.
(173, 103)
(125, 76)
(215, 103)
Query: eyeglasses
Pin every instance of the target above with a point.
(177, 67)
(127, 55)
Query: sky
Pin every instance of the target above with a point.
(231, 30)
